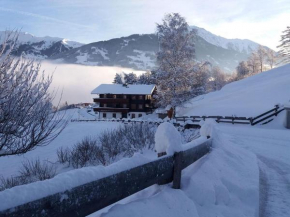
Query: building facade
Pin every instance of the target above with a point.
(123, 101)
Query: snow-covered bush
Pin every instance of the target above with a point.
(31, 171)
(189, 135)
(109, 146)
(207, 127)
(127, 140)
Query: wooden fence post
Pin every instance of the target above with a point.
(177, 168)
(287, 121)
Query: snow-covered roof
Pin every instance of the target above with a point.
(121, 89)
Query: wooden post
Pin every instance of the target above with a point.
(287, 121)
(177, 168)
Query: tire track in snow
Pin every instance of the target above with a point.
(274, 188)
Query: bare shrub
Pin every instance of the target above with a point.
(127, 139)
(31, 171)
(189, 135)
(63, 155)
(6, 183)
(87, 153)
(34, 170)
(27, 119)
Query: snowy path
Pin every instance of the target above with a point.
(272, 148)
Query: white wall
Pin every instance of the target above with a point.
(136, 114)
(110, 115)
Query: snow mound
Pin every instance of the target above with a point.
(248, 97)
(167, 139)
(207, 127)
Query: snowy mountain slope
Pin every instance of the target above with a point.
(240, 45)
(40, 47)
(138, 52)
(248, 97)
(134, 51)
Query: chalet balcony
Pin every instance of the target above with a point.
(110, 109)
(111, 100)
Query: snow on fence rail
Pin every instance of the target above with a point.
(236, 120)
(91, 197)
(194, 120)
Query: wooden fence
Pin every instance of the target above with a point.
(183, 120)
(91, 197)
(264, 117)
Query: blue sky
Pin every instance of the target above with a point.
(94, 20)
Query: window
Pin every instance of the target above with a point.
(105, 96)
(133, 106)
(140, 115)
(114, 115)
(104, 115)
(114, 96)
(147, 105)
(140, 106)
(133, 97)
(125, 96)
(105, 105)
(148, 97)
(140, 97)
(124, 105)
(133, 115)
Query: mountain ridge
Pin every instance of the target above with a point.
(136, 51)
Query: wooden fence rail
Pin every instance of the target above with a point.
(195, 119)
(91, 197)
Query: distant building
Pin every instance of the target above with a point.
(123, 101)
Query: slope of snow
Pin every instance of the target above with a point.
(241, 45)
(248, 97)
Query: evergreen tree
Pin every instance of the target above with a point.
(130, 78)
(118, 79)
(284, 47)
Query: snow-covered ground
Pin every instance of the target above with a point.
(73, 133)
(248, 97)
(248, 171)
(246, 174)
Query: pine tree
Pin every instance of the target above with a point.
(147, 78)
(130, 78)
(284, 47)
(175, 60)
(118, 79)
